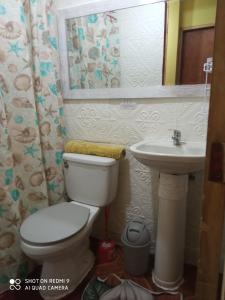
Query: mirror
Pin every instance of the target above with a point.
(118, 50)
(115, 49)
(189, 41)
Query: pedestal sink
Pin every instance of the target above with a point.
(174, 164)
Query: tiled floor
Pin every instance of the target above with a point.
(103, 270)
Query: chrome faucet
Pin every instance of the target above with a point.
(177, 137)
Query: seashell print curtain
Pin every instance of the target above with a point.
(31, 123)
(93, 51)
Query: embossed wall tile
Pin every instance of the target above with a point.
(75, 130)
(149, 121)
(144, 174)
(192, 120)
(121, 113)
(124, 134)
(137, 196)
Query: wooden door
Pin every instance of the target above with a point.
(214, 192)
(197, 46)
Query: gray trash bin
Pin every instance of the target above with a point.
(136, 243)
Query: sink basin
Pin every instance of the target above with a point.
(174, 163)
(168, 158)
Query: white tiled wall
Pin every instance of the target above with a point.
(109, 121)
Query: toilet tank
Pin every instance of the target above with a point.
(90, 179)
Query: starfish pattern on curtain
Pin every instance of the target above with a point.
(94, 51)
(31, 123)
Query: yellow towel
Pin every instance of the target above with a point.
(99, 149)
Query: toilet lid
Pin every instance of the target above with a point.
(54, 223)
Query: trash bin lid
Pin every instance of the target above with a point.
(136, 233)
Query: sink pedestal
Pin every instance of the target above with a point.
(170, 241)
(170, 159)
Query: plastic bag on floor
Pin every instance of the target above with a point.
(95, 288)
(99, 289)
(127, 290)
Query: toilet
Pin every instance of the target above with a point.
(58, 236)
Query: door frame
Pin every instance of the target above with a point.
(211, 228)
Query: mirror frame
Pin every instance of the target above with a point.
(160, 91)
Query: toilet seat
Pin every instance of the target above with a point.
(54, 223)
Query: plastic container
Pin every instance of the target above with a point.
(136, 243)
(106, 251)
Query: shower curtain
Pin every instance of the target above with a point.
(93, 51)
(31, 123)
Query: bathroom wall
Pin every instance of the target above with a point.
(122, 122)
(116, 122)
(195, 13)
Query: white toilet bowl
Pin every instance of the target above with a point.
(65, 256)
(58, 236)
